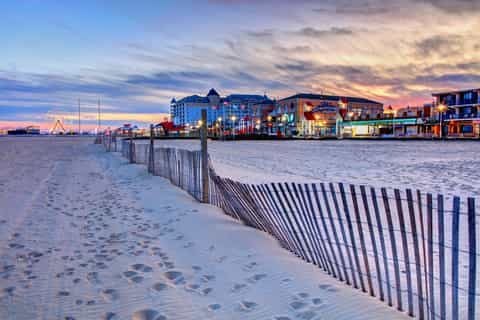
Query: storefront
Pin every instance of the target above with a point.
(384, 127)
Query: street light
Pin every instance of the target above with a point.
(441, 108)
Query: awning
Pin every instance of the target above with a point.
(309, 115)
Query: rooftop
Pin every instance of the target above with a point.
(329, 98)
(458, 91)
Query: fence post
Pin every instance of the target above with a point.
(151, 159)
(472, 250)
(131, 146)
(203, 142)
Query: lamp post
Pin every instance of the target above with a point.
(341, 112)
(441, 108)
(219, 121)
(269, 124)
(317, 117)
(233, 118)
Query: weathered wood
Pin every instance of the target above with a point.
(273, 211)
(441, 256)
(393, 245)
(371, 231)
(274, 229)
(455, 266)
(316, 229)
(406, 257)
(283, 203)
(381, 236)
(352, 236)
(424, 250)
(281, 212)
(472, 249)
(295, 215)
(416, 250)
(302, 215)
(431, 270)
(362, 239)
(342, 230)
(330, 255)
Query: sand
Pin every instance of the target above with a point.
(84, 235)
(446, 167)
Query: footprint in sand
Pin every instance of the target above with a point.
(175, 276)
(110, 294)
(257, 277)
(129, 274)
(109, 316)
(207, 277)
(197, 268)
(297, 305)
(63, 293)
(247, 305)
(206, 291)
(141, 267)
(136, 279)
(147, 314)
(10, 290)
(213, 307)
(159, 286)
(307, 315)
(328, 288)
(238, 286)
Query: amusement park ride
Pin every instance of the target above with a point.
(58, 128)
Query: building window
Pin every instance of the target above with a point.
(468, 97)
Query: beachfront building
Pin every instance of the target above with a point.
(306, 114)
(410, 121)
(236, 113)
(261, 115)
(187, 112)
(230, 114)
(458, 113)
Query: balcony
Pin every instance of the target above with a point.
(460, 116)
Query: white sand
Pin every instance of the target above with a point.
(84, 235)
(447, 167)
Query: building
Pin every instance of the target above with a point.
(307, 114)
(188, 111)
(227, 114)
(410, 121)
(260, 113)
(32, 130)
(459, 112)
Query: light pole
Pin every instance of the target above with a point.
(441, 108)
(341, 112)
(269, 124)
(317, 132)
(233, 118)
(219, 121)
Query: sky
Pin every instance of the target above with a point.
(135, 56)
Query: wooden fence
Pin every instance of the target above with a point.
(414, 250)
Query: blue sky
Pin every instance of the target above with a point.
(136, 55)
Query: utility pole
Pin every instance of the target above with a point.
(79, 124)
(99, 119)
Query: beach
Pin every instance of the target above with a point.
(84, 235)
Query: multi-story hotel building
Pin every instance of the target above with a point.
(459, 112)
(233, 111)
